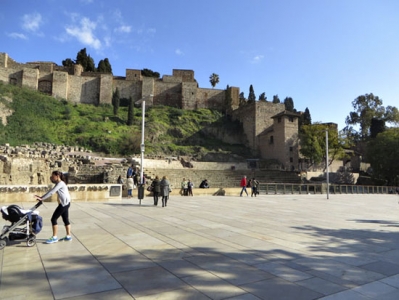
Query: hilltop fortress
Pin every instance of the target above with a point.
(271, 132)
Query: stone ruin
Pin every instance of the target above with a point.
(33, 165)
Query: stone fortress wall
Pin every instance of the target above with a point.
(177, 90)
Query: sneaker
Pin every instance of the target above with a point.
(66, 239)
(52, 240)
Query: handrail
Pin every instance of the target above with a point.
(317, 188)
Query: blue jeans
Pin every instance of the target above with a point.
(244, 189)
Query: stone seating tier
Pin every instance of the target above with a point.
(222, 178)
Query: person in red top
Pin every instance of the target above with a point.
(243, 184)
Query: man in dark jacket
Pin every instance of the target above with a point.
(204, 184)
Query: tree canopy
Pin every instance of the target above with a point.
(116, 101)
(87, 63)
(289, 104)
(262, 97)
(313, 143)
(150, 73)
(242, 99)
(276, 99)
(67, 62)
(383, 153)
(130, 112)
(366, 108)
(305, 119)
(104, 66)
(251, 95)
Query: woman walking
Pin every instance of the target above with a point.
(62, 210)
(165, 187)
(156, 189)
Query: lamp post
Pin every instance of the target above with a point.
(142, 146)
(327, 175)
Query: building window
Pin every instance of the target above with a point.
(271, 140)
(279, 119)
(291, 159)
(291, 119)
(291, 149)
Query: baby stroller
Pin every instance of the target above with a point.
(25, 224)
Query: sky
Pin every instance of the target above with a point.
(321, 53)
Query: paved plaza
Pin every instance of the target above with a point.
(298, 247)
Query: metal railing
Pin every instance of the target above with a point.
(292, 188)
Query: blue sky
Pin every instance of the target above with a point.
(322, 53)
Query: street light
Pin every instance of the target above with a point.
(142, 146)
(327, 175)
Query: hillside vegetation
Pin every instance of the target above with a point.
(35, 117)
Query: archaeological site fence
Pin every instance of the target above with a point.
(289, 188)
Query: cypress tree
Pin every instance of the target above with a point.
(116, 101)
(130, 112)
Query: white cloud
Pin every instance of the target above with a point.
(108, 41)
(32, 22)
(123, 29)
(16, 35)
(85, 33)
(179, 52)
(257, 59)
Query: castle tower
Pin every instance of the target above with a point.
(281, 140)
(77, 70)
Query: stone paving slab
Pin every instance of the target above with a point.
(300, 247)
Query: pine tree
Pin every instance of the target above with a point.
(262, 97)
(289, 104)
(276, 99)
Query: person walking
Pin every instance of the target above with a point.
(243, 184)
(130, 186)
(165, 188)
(254, 187)
(130, 172)
(184, 187)
(62, 210)
(156, 189)
(190, 186)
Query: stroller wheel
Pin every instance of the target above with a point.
(31, 241)
(3, 243)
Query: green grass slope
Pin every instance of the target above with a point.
(37, 117)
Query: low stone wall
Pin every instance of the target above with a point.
(79, 192)
(196, 192)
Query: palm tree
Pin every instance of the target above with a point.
(214, 79)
